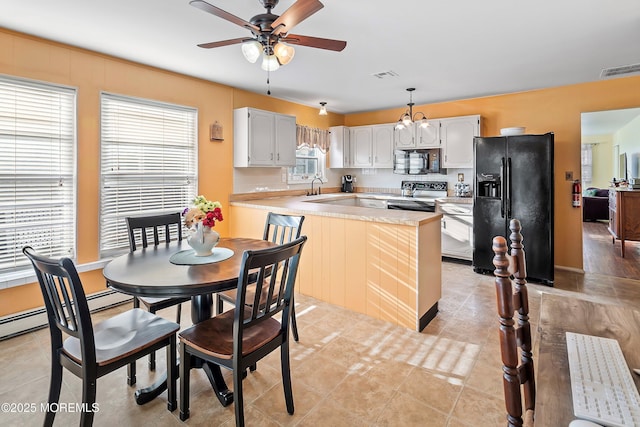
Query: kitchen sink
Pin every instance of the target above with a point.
(362, 202)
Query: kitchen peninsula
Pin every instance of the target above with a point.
(379, 262)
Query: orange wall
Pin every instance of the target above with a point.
(554, 110)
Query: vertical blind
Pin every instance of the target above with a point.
(148, 163)
(37, 170)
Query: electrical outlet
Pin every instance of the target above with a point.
(568, 175)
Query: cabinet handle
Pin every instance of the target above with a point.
(271, 156)
(278, 156)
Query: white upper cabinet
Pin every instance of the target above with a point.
(372, 146)
(414, 136)
(340, 147)
(382, 149)
(263, 138)
(361, 146)
(456, 136)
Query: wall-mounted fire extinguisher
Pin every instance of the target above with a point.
(576, 194)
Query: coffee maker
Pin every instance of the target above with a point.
(347, 184)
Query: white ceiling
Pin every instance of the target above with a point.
(607, 122)
(447, 50)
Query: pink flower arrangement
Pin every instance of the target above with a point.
(203, 211)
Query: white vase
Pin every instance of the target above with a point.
(202, 239)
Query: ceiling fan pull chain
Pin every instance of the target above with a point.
(268, 83)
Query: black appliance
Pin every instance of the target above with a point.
(347, 184)
(514, 179)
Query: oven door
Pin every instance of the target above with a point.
(412, 205)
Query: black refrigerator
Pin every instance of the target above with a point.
(514, 179)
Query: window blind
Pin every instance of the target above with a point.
(37, 170)
(148, 163)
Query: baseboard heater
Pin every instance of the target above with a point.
(31, 320)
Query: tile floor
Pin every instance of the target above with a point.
(347, 369)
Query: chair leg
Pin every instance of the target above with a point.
(88, 399)
(54, 390)
(185, 367)
(172, 403)
(237, 397)
(219, 304)
(286, 376)
(152, 356)
(294, 324)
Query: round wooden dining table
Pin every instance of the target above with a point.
(149, 272)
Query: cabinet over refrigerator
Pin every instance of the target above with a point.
(514, 179)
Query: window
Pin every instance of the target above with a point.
(587, 163)
(310, 155)
(309, 164)
(148, 163)
(37, 171)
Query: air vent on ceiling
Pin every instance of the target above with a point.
(385, 74)
(618, 71)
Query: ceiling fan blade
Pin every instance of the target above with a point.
(298, 12)
(320, 43)
(224, 42)
(203, 5)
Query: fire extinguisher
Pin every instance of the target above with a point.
(576, 194)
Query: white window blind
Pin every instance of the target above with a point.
(37, 170)
(148, 163)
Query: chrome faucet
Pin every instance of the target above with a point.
(312, 193)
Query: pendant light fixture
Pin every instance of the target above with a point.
(408, 117)
(323, 109)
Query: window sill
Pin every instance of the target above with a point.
(11, 280)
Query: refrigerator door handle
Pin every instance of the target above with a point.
(508, 188)
(502, 180)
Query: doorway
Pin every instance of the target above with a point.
(607, 136)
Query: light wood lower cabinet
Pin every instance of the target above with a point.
(624, 220)
(369, 267)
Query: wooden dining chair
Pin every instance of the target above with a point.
(158, 225)
(280, 229)
(513, 300)
(92, 351)
(240, 337)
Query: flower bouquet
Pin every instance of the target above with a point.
(199, 219)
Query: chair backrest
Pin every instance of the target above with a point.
(284, 259)
(156, 224)
(513, 299)
(281, 228)
(65, 301)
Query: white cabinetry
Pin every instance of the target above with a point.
(340, 147)
(456, 136)
(263, 138)
(414, 136)
(372, 146)
(457, 230)
(382, 146)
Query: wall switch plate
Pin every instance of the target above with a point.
(568, 175)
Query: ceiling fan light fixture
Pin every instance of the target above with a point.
(252, 50)
(284, 53)
(323, 109)
(270, 62)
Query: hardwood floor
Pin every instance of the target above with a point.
(601, 256)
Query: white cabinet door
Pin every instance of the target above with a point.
(457, 134)
(428, 137)
(404, 138)
(361, 146)
(261, 138)
(382, 137)
(285, 140)
(339, 152)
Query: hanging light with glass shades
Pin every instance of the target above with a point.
(323, 109)
(408, 117)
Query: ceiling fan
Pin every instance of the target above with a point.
(270, 33)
